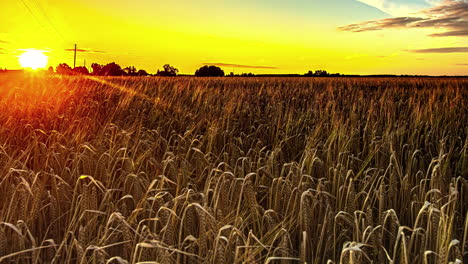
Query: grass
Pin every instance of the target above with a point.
(233, 170)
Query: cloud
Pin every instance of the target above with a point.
(397, 8)
(397, 22)
(7, 38)
(451, 33)
(449, 15)
(240, 66)
(462, 64)
(441, 50)
(86, 50)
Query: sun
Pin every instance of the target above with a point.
(33, 59)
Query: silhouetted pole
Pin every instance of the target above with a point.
(74, 59)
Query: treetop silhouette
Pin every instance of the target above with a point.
(209, 71)
(168, 70)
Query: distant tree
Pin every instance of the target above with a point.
(64, 69)
(112, 69)
(81, 70)
(168, 70)
(130, 70)
(97, 69)
(142, 73)
(50, 70)
(209, 71)
(247, 74)
(320, 73)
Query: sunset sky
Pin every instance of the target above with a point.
(261, 36)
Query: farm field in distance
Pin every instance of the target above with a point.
(233, 170)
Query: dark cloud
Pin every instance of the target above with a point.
(455, 33)
(449, 15)
(441, 50)
(462, 64)
(86, 50)
(396, 22)
(240, 66)
(4, 42)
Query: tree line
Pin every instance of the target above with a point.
(110, 69)
(317, 73)
(114, 69)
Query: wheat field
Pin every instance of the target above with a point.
(233, 170)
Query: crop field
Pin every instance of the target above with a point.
(233, 170)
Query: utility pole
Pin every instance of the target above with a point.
(74, 60)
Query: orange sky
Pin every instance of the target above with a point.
(280, 36)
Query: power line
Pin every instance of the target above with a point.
(43, 14)
(74, 59)
(32, 14)
(51, 23)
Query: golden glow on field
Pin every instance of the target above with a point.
(33, 59)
